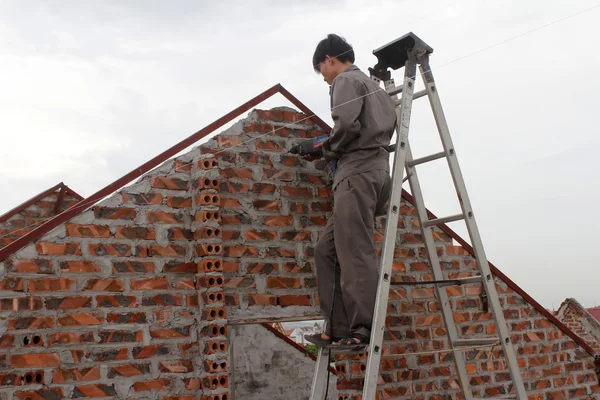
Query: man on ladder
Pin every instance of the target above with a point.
(364, 121)
(408, 52)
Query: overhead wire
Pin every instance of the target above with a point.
(431, 69)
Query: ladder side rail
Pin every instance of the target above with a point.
(391, 231)
(319, 383)
(459, 184)
(434, 262)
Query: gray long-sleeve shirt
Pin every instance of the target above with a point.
(364, 119)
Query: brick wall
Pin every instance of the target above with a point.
(132, 297)
(34, 215)
(124, 300)
(269, 236)
(580, 321)
(273, 207)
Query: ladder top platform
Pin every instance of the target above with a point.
(395, 54)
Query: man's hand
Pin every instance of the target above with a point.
(308, 157)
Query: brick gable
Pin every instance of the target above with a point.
(132, 298)
(35, 211)
(578, 319)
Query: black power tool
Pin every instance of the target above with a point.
(313, 147)
(310, 147)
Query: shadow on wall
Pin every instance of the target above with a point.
(266, 367)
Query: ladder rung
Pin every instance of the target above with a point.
(396, 90)
(425, 159)
(461, 281)
(439, 221)
(476, 341)
(357, 350)
(415, 96)
(442, 283)
(419, 94)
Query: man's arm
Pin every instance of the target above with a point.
(347, 103)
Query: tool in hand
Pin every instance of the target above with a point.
(313, 147)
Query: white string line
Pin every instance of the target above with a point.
(279, 128)
(20, 229)
(431, 69)
(461, 348)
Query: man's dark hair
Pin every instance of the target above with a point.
(332, 46)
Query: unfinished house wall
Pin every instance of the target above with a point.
(264, 366)
(274, 207)
(580, 321)
(14, 225)
(132, 297)
(125, 300)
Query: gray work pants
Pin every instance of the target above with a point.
(347, 245)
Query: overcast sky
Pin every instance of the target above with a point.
(91, 90)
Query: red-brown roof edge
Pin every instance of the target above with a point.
(73, 193)
(293, 344)
(136, 173)
(154, 162)
(509, 282)
(30, 202)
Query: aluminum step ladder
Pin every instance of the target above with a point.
(408, 52)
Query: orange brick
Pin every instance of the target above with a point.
(34, 360)
(37, 266)
(167, 251)
(175, 366)
(68, 338)
(150, 284)
(163, 217)
(266, 205)
(80, 319)
(207, 249)
(51, 285)
(243, 173)
(47, 248)
(97, 390)
(278, 220)
(75, 267)
(179, 202)
(283, 283)
(135, 232)
(40, 394)
(227, 202)
(294, 300)
(31, 323)
(169, 183)
(241, 251)
(117, 249)
(97, 231)
(207, 199)
(104, 285)
(143, 198)
(208, 163)
(12, 284)
(76, 375)
(127, 214)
